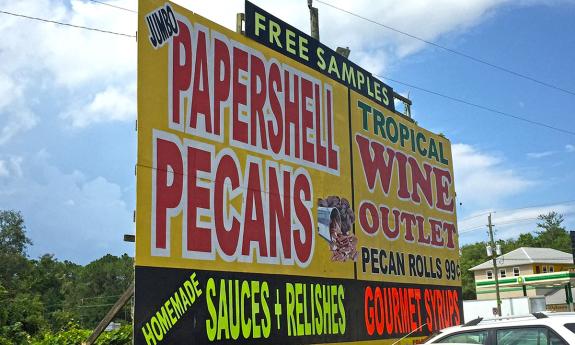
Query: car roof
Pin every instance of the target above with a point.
(510, 321)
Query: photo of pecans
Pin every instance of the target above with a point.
(339, 216)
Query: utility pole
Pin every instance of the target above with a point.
(313, 20)
(494, 256)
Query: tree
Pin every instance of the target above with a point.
(552, 234)
(14, 267)
(21, 313)
(471, 255)
(13, 238)
(100, 283)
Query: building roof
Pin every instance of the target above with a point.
(526, 256)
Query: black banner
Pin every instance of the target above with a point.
(203, 307)
(272, 32)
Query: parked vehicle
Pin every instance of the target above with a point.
(533, 329)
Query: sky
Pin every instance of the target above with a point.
(68, 106)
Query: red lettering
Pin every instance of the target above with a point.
(258, 96)
(387, 230)
(421, 238)
(387, 306)
(227, 237)
(332, 153)
(377, 164)
(422, 182)
(402, 191)
(321, 151)
(291, 114)
(306, 120)
(199, 238)
(240, 127)
(280, 215)
(364, 219)
(442, 183)
(181, 70)
(409, 220)
(254, 225)
(275, 86)
(222, 73)
(303, 236)
(369, 311)
(396, 315)
(436, 239)
(428, 310)
(201, 90)
(168, 195)
(379, 316)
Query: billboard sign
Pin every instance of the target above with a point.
(277, 201)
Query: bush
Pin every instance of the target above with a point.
(73, 335)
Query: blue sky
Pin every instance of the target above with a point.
(68, 107)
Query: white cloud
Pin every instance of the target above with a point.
(570, 148)
(66, 213)
(11, 167)
(482, 180)
(72, 56)
(87, 65)
(16, 116)
(38, 58)
(372, 46)
(537, 155)
(112, 104)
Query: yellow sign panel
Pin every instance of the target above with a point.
(277, 202)
(235, 146)
(405, 198)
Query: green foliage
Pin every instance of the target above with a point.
(121, 336)
(72, 334)
(551, 234)
(46, 301)
(13, 238)
(471, 255)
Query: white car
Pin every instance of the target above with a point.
(534, 329)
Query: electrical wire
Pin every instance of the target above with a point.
(537, 123)
(452, 51)
(114, 6)
(514, 221)
(557, 203)
(66, 24)
(482, 107)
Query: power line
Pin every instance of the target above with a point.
(540, 205)
(514, 221)
(482, 107)
(393, 80)
(66, 24)
(452, 51)
(557, 203)
(114, 6)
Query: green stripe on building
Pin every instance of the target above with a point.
(504, 290)
(501, 281)
(561, 275)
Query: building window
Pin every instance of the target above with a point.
(516, 271)
(544, 268)
(551, 269)
(502, 273)
(537, 270)
(489, 274)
